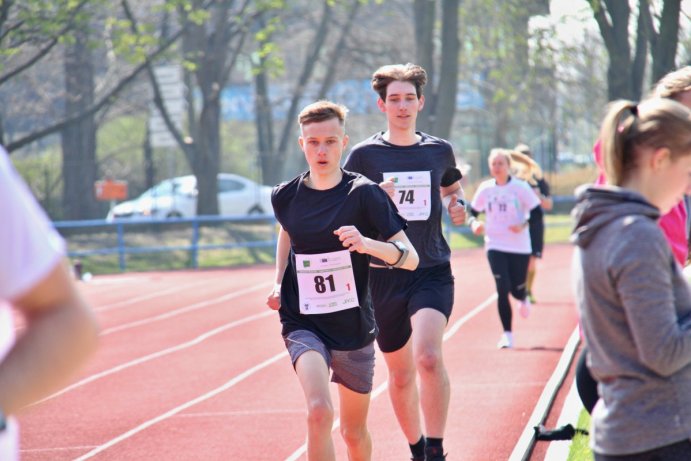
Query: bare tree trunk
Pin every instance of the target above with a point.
(448, 81)
(79, 170)
(206, 164)
(265, 130)
(338, 51)
(640, 57)
(305, 75)
(425, 13)
(616, 38)
(668, 40)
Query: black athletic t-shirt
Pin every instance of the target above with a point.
(374, 156)
(310, 216)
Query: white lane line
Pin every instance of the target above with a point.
(155, 294)
(162, 353)
(382, 387)
(526, 441)
(49, 450)
(237, 379)
(184, 310)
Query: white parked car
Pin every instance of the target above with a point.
(177, 198)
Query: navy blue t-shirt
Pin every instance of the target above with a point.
(375, 156)
(310, 216)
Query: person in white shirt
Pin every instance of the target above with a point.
(506, 202)
(61, 330)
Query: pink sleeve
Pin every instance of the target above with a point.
(673, 224)
(597, 154)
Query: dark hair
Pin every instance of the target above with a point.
(321, 111)
(628, 127)
(412, 73)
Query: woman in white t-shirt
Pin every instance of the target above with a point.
(60, 328)
(506, 202)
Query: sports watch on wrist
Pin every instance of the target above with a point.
(400, 246)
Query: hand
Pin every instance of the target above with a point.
(274, 298)
(518, 228)
(389, 187)
(351, 239)
(456, 211)
(478, 227)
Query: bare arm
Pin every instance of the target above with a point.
(354, 241)
(450, 196)
(61, 333)
(282, 251)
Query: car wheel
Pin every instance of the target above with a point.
(174, 214)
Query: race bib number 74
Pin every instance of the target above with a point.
(412, 193)
(326, 282)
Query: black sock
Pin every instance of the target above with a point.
(419, 448)
(432, 442)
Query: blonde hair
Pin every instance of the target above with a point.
(674, 84)
(524, 167)
(499, 152)
(627, 128)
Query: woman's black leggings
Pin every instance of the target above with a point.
(585, 383)
(510, 271)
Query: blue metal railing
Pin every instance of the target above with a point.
(194, 247)
(121, 226)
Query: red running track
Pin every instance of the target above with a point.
(191, 366)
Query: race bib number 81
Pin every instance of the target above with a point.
(413, 193)
(326, 282)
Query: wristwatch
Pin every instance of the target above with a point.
(3, 421)
(400, 246)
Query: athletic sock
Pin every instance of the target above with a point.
(529, 281)
(418, 449)
(434, 450)
(432, 442)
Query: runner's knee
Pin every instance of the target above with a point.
(428, 359)
(354, 435)
(401, 378)
(319, 412)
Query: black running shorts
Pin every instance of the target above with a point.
(537, 236)
(398, 294)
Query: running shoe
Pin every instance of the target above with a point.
(434, 454)
(524, 308)
(418, 458)
(506, 341)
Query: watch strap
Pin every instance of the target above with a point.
(400, 246)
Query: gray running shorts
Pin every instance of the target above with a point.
(353, 369)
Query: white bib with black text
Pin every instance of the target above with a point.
(326, 282)
(412, 193)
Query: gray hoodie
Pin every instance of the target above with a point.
(635, 311)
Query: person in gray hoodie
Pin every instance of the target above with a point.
(634, 303)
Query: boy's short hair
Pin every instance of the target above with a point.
(412, 73)
(321, 111)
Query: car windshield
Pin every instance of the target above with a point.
(166, 187)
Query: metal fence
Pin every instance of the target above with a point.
(125, 237)
(189, 237)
